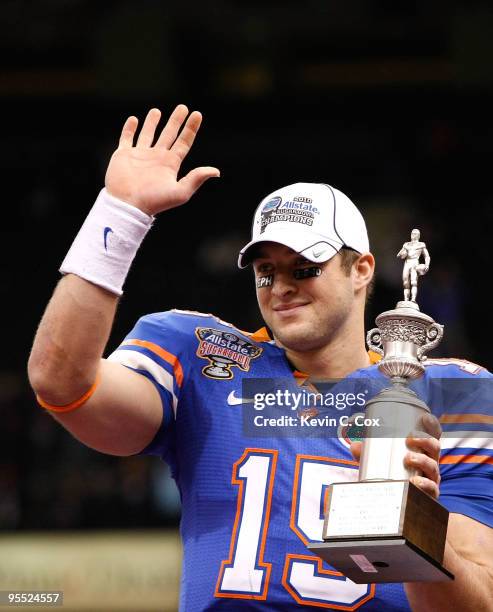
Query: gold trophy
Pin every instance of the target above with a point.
(383, 528)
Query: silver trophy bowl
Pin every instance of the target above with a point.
(402, 337)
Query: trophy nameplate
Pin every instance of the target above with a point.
(383, 528)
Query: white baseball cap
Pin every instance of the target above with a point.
(313, 219)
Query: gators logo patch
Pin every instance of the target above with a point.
(351, 432)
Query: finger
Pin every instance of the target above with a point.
(426, 485)
(195, 179)
(148, 130)
(429, 445)
(185, 140)
(426, 465)
(431, 425)
(172, 127)
(128, 133)
(355, 449)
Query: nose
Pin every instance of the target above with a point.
(284, 284)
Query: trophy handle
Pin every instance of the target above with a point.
(434, 334)
(374, 340)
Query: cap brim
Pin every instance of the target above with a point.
(319, 251)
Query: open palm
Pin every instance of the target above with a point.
(146, 174)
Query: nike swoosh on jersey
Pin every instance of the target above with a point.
(235, 401)
(107, 230)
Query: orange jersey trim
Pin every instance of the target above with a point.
(261, 335)
(374, 357)
(466, 418)
(158, 350)
(447, 459)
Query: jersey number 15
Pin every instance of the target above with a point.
(246, 574)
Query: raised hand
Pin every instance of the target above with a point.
(146, 175)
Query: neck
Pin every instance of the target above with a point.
(341, 356)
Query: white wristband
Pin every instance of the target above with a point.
(107, 242)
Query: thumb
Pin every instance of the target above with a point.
(191, 182)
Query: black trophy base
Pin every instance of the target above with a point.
(380, 560)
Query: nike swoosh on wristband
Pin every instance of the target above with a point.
(235, 401)
(106, 231)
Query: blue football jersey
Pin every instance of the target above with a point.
(253, 479)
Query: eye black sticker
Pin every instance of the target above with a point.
(307, 272)
(265, 281)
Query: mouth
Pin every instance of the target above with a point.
(287, 309)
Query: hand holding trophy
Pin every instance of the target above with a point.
(383, 528)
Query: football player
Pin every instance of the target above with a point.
(253, 488)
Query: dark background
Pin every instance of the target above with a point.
(388, 101)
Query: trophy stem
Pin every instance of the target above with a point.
(399, 381)
(395, 412)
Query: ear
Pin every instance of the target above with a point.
(363, 270)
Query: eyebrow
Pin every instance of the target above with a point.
(297, 261)
(260, 253)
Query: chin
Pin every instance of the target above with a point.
(298, 339)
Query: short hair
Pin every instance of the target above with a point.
(348, 258)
